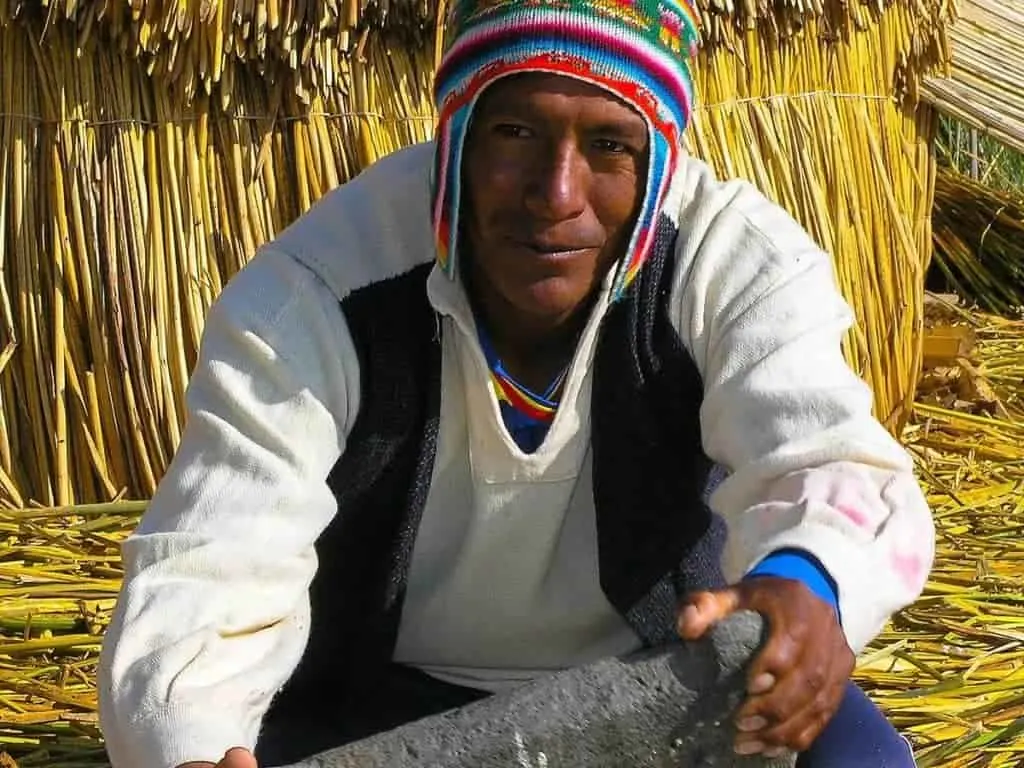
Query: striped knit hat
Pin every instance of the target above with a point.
(636, 49)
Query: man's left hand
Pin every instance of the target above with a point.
(797, 681)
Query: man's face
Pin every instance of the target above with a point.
(554, 170)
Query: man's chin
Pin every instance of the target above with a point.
(550, 301)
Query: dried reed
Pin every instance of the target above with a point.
(983, 87)
(948, 670)
(979, 242)
(123, 215)
(133, 185)
(131, 189)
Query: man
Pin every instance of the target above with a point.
(452, 430)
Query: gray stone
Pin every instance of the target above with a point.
(672, 707)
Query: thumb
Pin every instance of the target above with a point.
(702, 610)
(238, 757)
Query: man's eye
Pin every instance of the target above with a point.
(609, 145)
(512, 131)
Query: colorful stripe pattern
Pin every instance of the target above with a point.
(637, 49)
(530, 404)
(527, 414)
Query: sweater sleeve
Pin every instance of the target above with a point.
(213, 614)
(810, 467)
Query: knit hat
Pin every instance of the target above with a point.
(636, 49)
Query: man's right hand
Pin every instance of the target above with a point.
(236, 757)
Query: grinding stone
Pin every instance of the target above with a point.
(660, 709)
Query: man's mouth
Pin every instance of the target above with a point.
(549, 249)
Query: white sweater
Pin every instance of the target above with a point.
(214, 614)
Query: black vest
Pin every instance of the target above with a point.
(656, 536)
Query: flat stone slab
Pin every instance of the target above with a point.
(663, 709)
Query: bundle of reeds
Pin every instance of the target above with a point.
(947, 670)
(203, 47)
(147, 150)
(979, 242)
(983, 86)
(122, 214)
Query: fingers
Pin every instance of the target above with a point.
(785, 728)
(791, 715)
(703, 609)
(796, 682)
(783, 651)
(807, 693)
(764, 714)
(238, 757)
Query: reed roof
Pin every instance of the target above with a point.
(985, 85)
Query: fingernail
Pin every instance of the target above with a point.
(748, 747)
(775, 752)
(762, 683)
(754, 723)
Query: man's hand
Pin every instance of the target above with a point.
(798, 679)
(236, 757)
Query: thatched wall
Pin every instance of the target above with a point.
(125, 203)
(147, 149)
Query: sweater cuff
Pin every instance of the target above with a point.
(802, 566)
(177, 735)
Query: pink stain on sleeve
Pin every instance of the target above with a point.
(909, 567)
(854, 514)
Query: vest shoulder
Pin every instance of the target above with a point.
(371, 228)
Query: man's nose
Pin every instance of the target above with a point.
(557, 190)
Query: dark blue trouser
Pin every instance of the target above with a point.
(859, 736)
